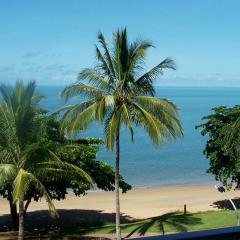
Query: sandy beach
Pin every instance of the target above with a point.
(141, 202)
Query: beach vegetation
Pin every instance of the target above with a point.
(221, 129)
(118, 92)
(36, 161)
(81, 152)
(24, 159)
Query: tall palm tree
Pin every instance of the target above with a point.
(24, 160)
(118, 93)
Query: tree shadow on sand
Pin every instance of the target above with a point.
(175, 220)
(225, 204)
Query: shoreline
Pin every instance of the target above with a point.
(135, 187)
(175, 185)
(141, 202)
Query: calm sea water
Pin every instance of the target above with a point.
(177, 162)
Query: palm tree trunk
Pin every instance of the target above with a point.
(14, 215)
(13, 211)
(21, 220)
(118, 228)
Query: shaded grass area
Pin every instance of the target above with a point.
(174, 222)
(73, 223)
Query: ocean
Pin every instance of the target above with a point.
(179, 162)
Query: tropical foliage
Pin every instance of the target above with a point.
(24, 160)
(223, 144)
(117, 92)
(80, 153)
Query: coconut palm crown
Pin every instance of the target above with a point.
(117, 93)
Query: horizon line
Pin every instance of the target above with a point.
(175, 86)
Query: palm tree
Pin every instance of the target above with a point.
(117, 93)
(24, 160)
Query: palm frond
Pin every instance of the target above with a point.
(95, 79)
(144, 83)
(69, 167)
(103, 65)
(126, 119)
(7, 126)
(111, 125)
(80, 89)
(5, 93)
(21, 185)
(62, 109)
(83, 119)
(163, 110)
(120, 55)
(137, 53)
(70, 112)
(157, 130)
(40, 159)
(107, 53)
(105, 104)
(35, 153)
(122, 46)
(7, 173)
(155, 104)
(17, 114)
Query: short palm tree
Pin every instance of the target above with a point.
(24, 160)
(117, 94)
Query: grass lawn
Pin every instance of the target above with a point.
(76, 224)
(171, 222)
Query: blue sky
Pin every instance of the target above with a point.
(51, 41)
